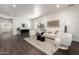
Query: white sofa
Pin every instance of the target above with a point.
(47, 35)
(51, 34)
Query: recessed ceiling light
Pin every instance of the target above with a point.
(57, 6)
(14, 5)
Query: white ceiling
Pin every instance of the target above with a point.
(29, 10)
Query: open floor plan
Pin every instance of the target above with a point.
(39, 29)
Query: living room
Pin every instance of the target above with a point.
(66, 21)
(39, 29)
(49, 29)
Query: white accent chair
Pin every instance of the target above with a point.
(63, 40)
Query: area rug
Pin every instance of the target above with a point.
(47, 47)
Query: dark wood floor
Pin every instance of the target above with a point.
(16, 45)
(73, 50)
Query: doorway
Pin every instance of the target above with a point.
(5, 35)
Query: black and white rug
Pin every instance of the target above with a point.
(47, 47)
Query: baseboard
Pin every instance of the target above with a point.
(76, 40)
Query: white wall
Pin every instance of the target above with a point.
(68, 16)
(18, 21)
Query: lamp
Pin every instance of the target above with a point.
(65, 29)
